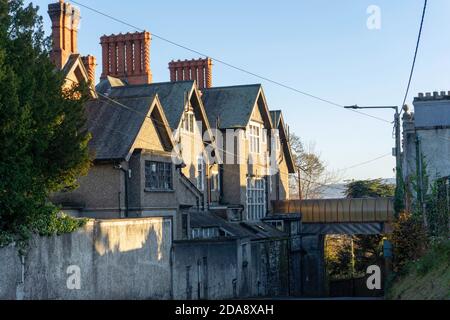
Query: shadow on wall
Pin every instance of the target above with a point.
(121, 259)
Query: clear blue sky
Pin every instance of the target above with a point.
(319, 46)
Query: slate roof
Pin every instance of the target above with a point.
(232, 105)
(253, 230)
(114, 128)
(171, 94)
(105, 85)
(70, 62)
(277, 117)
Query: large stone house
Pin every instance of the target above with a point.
(211, 159)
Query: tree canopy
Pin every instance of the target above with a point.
(369, 189)
(43, 141)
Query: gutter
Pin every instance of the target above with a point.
(126, 177)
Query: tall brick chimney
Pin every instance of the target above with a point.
(199, 70)
(65, 21)
(90, 63)
(127, 56)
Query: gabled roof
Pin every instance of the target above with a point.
(231, 107)
(74, 68)
(276, 117)
(171, 94)
(115, 126)
(278, 123)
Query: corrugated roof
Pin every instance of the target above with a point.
(233, 106)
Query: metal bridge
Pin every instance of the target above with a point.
(341, 216)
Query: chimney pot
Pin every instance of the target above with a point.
(65, 22)
(198, 70)
(134, 66)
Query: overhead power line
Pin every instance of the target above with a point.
(415, 53)
(229, 64)
(165, 126)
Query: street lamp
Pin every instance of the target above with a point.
(397, 134)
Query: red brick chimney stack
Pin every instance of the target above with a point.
(199, 70)
(65, 21)
(90, 63)
(127, 56)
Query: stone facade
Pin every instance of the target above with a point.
(427, 131)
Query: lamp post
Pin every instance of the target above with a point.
(397, 134)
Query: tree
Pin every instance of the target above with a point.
(369, 189)
(312, 176)
(44, 143)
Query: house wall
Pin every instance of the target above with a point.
(192, 147)
(284, 180)
(99, 193)
(247, 164)
(116, 259)
(158, 203)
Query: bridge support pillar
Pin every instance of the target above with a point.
(313, 265)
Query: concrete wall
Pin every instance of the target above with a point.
(206, 269)
(270, 268)
(117, 259)
(234, 269)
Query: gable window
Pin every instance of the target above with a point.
(189, 122)
(158, 176)
(255, 138)
(256, 198)
(200, 173)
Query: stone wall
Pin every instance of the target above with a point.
(270, 268)
(117, 259)
(206, 269)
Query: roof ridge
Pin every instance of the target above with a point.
(155, 83)
(235, 86)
